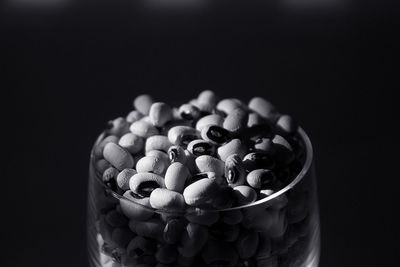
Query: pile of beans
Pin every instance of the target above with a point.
(176, 168)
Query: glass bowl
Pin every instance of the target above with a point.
(279, 230)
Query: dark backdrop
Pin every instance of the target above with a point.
(71, 68)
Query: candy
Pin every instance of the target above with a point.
(117, 156)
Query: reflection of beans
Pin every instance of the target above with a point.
(142, 103)
(231, 216)
(115, 219)
(122, 236)
(157, 142)
(224, 232)
(176, 176)
(207, 163)
(235, 146)
(213, 119)
(193, 239)
(152, 228)
(219, 251)
(134, 207)
(244, 194)
(166, 254)
(283, 150)
(140, 246)
(151, 164)
(117, 156)
(144, 183)
(235, 173)
(102, 165)
(164, 199)
(278, 225)
(173, 231)
(247, 244)
(202, 216)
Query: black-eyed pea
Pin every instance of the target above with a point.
(224, 232)
(261, 179)
(258, 160)
(236, 121)
(255, 120)
(115, 219)
(182, 135)
(244, 194)
(102, 165)
(143, 129)
(219, 251)
(123, 178)
(164, 199)
(118, 127)
(264, 108)
(173, 230)
(105, 230)
(201, 191)
(133, 116)
(131, 142)
(208, 163)
(189, 112)
(201, 175)
(200, 147)
(247, 244)
(166, 254)
(142, 184)
(171, 124)
(257, 217)
(264, 145)
(177, 154)
(190, 161)
(151, 164)
(232, 216)
(264, 249)
(146, 119)
(235, 146)
(152, 228)
(122, 236)
(234, 171)
(160, 113)
(158, 154)
(215, 134)
(201, 216)
(140, 246)
(286, 125)
(98, 150)
(135, 207)
(193, 239)
(157, 142)
(212, 119)
(175, 177)
(117, 156)
(142, 103)
(227, 105)
(110, 174)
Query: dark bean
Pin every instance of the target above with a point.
(216, 134)
(258, 160)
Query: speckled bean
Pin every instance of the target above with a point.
(143, 129)
(151, 164)
(235, 173)
(233, 147)
(175, 177)
(212, 119)
(123, 178)
(207, 163)
(160, 113)
(164, 199)
(131, 142)
(117, 156)
(144, 183)
(157, 142)
(244, 194)
(142, 103)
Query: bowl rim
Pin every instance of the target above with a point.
(305, 169)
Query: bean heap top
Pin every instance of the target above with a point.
(207, 153)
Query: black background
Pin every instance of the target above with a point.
(71, 69)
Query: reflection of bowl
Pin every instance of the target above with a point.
(279, 230)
